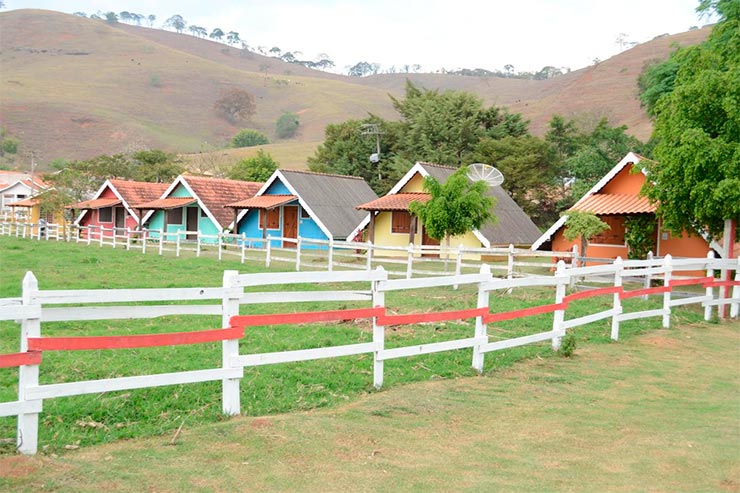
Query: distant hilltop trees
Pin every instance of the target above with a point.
(321, 62)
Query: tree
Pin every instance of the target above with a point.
(562, 136)
(80, 14)
(257, 168)
(455, 207)
(583, 225)
(361, 69)
(249, 138)
(696, 179)
(216, 34)
(287, 125)
(151, 18)
(111, 17)
(176, 22)
(125, 16)
(198, 31)
(156, 166)
(232, 38)
(235, 105)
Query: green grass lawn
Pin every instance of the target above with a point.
(269, 390)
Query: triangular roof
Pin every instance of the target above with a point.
(513, 225)
(127, 192)
(213, 195)
(604, 203)
(329, 199)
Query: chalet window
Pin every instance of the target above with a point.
(273, 219)
(174, 216)
(612, 236)
(305, 214)
(105, 215)
(203, 213)
(401, 222)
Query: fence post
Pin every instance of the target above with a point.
(710, 290)
(144, 238)
(378, 331)
(230, 348)
(197, 243)
(177, 244)
(410, 261)
(115, 235)
(28, 375)
(244, 246)
(735, 307)
(480, 326)
(220, 244)
(128, 238)
(668, 265)
(161, 240)
(618, 269)
(559, 315)
(100, 235)
(649, 277)
(369, 255)
(298, 254)
(510, 263)
(268, 247)
(331, 254)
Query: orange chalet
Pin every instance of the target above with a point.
(614, 199)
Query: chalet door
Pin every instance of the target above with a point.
(192, 222)
(120, 217)
(290, 225)
(428, 240)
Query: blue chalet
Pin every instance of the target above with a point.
(294, 204)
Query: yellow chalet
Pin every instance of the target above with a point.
(391, 224)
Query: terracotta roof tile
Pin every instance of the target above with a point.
(395, 202)
(94, 203)
(614, 203)
(263, 202)
(138, 192)
(168, 203)
(216, 193)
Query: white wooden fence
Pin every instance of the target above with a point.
(305, 253)
(37, 306)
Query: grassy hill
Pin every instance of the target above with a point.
(74, 88)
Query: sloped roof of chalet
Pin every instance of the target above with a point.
(95, 203)
(216, 193)
(137, 192)
(395, 202)
(614, 203)
(166, 203)
(263, 202)
(513, 225)
(330, 199)
(25, 202)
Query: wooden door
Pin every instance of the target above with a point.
(191, 224)
(120, 217)
(290, 225)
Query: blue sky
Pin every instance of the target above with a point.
(490, 34)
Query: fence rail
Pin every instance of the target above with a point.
(37, 307)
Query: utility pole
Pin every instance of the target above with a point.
(373, 129)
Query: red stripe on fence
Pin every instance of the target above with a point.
(641, 292)
(690, 282)
(526, 312)
(592, 292)
(719, 284)
(415, 318)
(304, 317)
(20, 359)
(137, 341)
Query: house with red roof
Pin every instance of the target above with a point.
(112, 205)
(16, 186)
(615, 199)
(196, 204)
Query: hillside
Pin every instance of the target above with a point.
(74, 87)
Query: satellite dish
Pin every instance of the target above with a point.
(486, 173)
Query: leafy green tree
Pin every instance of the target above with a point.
(530, 173)
(235, 105)
(257, 168)
(287, 125)
(176, 22)
(456, 206)
(111, 17)
(696, 179)
(233, 37)
(198, 31)
(249, 138)
(216, 34)
(583, 225)
(9, 146)
(346, 151)
(151, 18)
(156, 166)
(563, 136)
(446, 127)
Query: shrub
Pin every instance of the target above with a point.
(256, 168)
(249, 138)
(568, 345)
(10, 145)
(287, 126)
